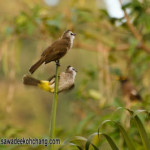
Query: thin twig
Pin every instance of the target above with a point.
(54, 108)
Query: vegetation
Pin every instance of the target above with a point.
(104, 47)
(131, 144)
(54, 109)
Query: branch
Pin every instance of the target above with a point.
(54, 109)
(93, 48)
(135, 32)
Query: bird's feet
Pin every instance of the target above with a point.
(57, 63)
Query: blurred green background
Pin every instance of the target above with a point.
(109, 41)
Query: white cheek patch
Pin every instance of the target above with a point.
(71, 40)
(74, 75)
(70, 69)
(134, 92)
(72, 37)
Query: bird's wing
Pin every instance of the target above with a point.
(57, 50)
(46, 51)
(134, 95)
(67, 90)
(72, 87)
(50, 48)
(66, 83)
(52, 79)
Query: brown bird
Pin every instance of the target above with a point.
(66, 81)
(129, 89)
(56, 50)
(130, 97)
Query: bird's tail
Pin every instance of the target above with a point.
(36, 65)
(44, 85)
(28, 80)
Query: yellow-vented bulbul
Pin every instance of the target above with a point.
(66, 81)
(56, 50)
(129, 89)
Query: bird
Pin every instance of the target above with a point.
(66, 81)
(129, 89)
(55, 51)
(131, 96)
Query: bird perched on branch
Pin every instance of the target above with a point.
(130, 97)
(66, 81)
(129, 89)
(56, 50)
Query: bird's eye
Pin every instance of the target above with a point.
(71, 33)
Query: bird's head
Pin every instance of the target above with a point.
(71, 70)
(69, 34)
(122, 79)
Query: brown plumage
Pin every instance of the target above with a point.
(66, 81)
(129, 89)
(28, 80)
(56, 50)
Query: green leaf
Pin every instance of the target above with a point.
(71, 144)
(142, 132)
(127, 139)
(71, 141)
(89, 142)
(140, 127)
(108, 138)
(75, 139)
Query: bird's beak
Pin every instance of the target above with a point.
(74, 34)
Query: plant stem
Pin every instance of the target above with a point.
(54, 108)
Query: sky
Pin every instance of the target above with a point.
(51, 2)
(113, 6)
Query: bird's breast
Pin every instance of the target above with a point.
(71, 44)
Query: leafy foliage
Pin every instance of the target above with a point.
(104, 47)
(130, 144)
